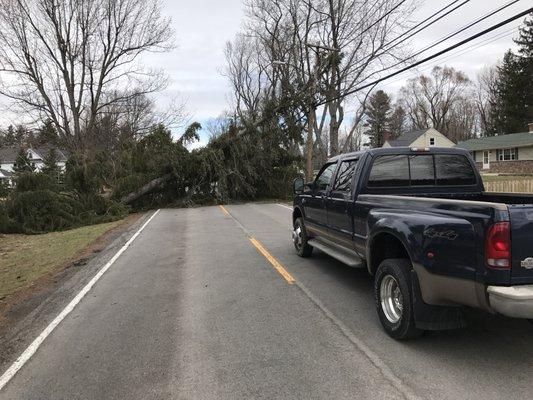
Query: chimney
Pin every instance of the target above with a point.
(530, 127)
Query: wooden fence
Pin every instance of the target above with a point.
(510, 186)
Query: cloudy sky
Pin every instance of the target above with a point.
(204, 26)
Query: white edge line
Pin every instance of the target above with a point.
(284, 206)
(32, 348)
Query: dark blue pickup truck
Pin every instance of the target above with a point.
(422, 224)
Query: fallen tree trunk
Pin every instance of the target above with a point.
(145, 189)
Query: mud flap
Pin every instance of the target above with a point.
(434, 318)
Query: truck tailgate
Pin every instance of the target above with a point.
(521, 218)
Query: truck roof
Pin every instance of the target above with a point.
(400, 150)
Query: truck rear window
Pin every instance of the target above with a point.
(389, 171)
(421, 170)
(453, 170)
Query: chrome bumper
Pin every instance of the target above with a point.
(512, 301)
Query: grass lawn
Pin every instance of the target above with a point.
(506, 178)
(26, 258)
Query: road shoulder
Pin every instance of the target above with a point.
(28, 311)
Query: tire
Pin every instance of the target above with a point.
(393, 297)
(299, 238)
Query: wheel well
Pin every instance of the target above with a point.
(296, 214)
(385, 245)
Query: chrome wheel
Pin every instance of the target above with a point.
(297, 236)
(391, 299)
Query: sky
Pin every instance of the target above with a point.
(204, 26)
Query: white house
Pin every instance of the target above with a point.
(8, 156)
(420, 138)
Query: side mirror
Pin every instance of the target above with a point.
(298, 185)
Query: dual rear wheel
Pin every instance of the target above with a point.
(392, 289)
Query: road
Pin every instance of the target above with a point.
(193, 310)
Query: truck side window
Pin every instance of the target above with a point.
(324, 177)
(389, 171)
(454, 170)
(422, 170)
(343, 183)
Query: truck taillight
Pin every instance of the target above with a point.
(498, 246)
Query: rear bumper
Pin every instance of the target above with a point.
(512, 301)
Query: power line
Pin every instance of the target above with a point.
(466, 27)
(439, 41)
(431, 57)
(429, 24)
(388, 46)
(383, 16)
(459, 53)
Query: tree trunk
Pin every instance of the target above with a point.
(149, 187)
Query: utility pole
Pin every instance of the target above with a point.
(311, 107)
(311, 104)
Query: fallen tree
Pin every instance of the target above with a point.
(154, 184)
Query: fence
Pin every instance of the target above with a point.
(510, 186)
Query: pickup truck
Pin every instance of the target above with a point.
(419, 220)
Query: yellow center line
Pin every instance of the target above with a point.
(226, 212)
(277, 266)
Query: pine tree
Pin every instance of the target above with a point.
(513, 103)
(378, 118)
(9, 137)
(508, 113)
(397, 122)
(23, 163)
(48, 133)
(525, 62)
(50, 166)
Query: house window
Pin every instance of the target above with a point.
(507, 154)
(432, 141)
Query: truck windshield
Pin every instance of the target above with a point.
(421, 170)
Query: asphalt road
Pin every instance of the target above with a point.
(192, 310)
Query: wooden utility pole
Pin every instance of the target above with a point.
(311, 123)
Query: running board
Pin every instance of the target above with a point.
(340, 254)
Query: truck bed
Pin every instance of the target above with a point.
(515, 208)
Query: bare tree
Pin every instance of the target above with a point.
(353, 139)
(329, 46)
(438, 101)
(485, 97)
(68, 60)
(217, 126)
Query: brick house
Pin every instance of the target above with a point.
(503, 154)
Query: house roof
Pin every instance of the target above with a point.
(521, 139)
(45, 149)
(407, 138)
(8, 155)
(5, 174)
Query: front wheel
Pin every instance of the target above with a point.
(299, 238)
(394, 303)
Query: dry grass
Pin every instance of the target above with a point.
(24, 259)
